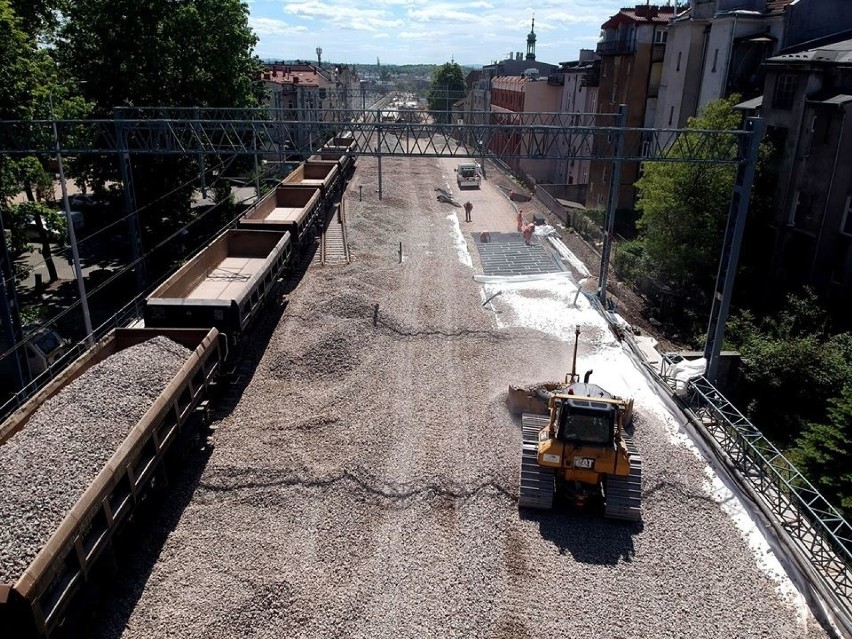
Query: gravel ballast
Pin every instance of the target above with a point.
(47, 466)
(364, 483)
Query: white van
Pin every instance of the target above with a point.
(468, 175)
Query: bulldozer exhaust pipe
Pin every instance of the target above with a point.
(574, 376)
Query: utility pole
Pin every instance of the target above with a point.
(737, 214)
(72, 234)
(612, 205)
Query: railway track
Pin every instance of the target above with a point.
(334, 248)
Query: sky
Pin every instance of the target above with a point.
(471, 33)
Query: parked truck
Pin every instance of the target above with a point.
(224, 285)
(53, 585)
(287, 208)
(467, 174)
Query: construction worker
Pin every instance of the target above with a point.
(528, 231)
(468, 207)
(520, 220)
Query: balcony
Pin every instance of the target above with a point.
(617, 47)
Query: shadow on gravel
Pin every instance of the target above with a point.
(587, 537)
(113, 599)
(140, 545)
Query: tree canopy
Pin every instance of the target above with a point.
(684, 210)
(446, 87)
(160, 53)
(798, 385)
(157, 53)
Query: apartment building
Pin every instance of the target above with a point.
(511, 97)
(716, 48)
(807, 105)
(579, 95)
(632, 49)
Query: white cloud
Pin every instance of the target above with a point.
(443, 13)
(273, 27)
(408, 31)
(345, 16)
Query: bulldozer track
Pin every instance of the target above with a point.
(624, 494)
(538, 484)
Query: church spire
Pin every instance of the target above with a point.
(531, 42)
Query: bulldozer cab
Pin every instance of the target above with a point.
(584, 421)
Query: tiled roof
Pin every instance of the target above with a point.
(642, 14)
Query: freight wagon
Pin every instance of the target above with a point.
(322, 175)
(345, 162)
(224, 285)
(205, 305)
(288, 208)
(339, 143)
(38, 601)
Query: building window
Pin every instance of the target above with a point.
(785, 91)
(671, 116)
(791, 217)
(801, 214)
(846, 224)
(660, 37)
(679, 56)
(715, 60)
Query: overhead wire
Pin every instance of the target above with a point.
(74, 306)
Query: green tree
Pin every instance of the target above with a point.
(27, 76)
(158, 53)
(684, 210)
(793, 365)
(39, 17)
(823, 451)
(447, 86)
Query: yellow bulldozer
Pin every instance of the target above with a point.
(575, 446)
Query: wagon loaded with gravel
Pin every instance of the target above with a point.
(80, 455)
(224, 285)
